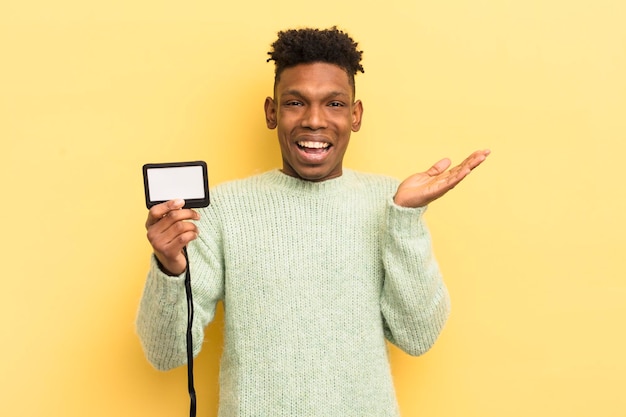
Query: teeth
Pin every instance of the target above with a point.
(314, 145)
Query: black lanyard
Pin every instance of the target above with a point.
(192, 390)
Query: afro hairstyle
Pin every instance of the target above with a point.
(308, 45)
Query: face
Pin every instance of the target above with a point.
(314, 113)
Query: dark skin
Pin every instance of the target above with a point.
(169, 231)
(314, 113)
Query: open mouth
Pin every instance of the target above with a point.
(313, 146)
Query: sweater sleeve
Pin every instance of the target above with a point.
(415, 303)
(162, 316)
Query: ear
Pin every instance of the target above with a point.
(357, 114)
(270, 113)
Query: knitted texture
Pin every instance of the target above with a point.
(313, 276)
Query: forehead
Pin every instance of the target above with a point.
(314, 78)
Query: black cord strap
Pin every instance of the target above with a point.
(192, 390)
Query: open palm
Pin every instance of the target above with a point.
(422, 188)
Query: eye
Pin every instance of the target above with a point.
(293, 103)
(336, 104)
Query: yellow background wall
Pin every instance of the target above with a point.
(531, 245)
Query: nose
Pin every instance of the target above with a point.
(314, 118)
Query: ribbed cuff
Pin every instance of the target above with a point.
(165, 287)
(404, 221)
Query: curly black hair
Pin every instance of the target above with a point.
(303, 46)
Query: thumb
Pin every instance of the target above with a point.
(439, 167)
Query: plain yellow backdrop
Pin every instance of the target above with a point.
(531, 244)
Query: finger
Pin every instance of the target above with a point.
(439, 167)
(172, 224)
(476, 158)
(159, 211)
(171, 254)
(174, 216)
(456, 176)
(459, 172)
(171, 244)
(174, 236)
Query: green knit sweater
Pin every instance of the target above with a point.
(313, 276)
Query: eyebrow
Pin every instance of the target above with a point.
(332, 94)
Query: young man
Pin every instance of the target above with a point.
(316, 264)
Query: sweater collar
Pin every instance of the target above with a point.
(296, 185)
